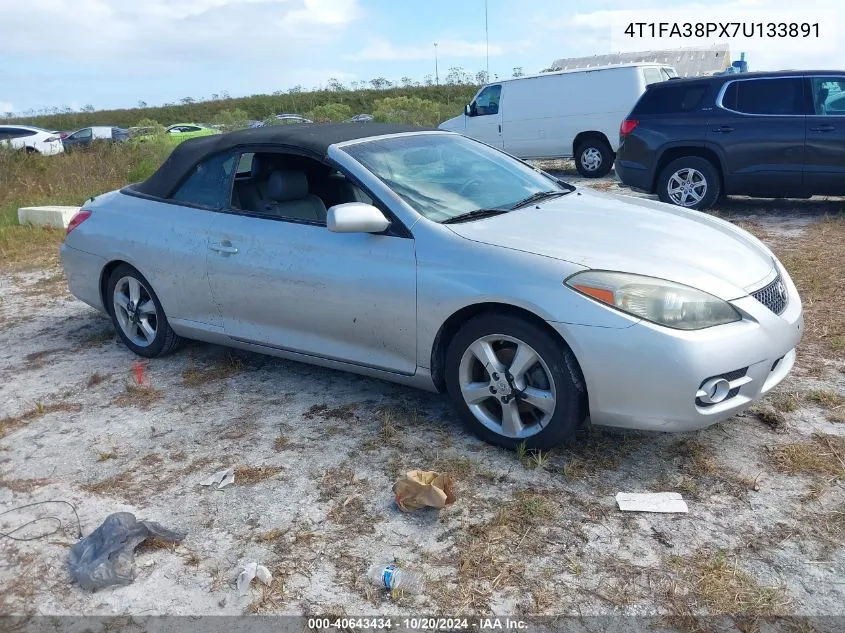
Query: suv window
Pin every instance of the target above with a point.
(652, 76)
(783, 95)
(82, 134)
(828, 95)
(209, 183)
(669, 99)
(487, 102)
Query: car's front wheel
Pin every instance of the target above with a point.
(691, 182)
(512, 382)
(137, 314)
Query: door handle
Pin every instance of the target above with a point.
(500, 128)
(723, 129)
(224, 248)
(823, 128)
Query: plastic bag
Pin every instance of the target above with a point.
(107, 556)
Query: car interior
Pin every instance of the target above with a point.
(288, 186)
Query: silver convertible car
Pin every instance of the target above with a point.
(433, 260)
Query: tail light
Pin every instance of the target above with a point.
(52, 139)
(628, 126)
(76, 220)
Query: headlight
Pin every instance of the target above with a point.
(657, 300)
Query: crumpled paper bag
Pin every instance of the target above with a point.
(422, 488)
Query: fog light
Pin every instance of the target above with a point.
(715, 390)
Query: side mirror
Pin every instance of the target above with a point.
(356, 217)
(468, 110)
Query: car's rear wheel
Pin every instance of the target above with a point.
(514, 382)
(593, 158)
(691, 182)
(137, 314)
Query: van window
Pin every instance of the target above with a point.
(652, 75)
(670, 99)
(828, 95)
(487, 102)
(784, 95)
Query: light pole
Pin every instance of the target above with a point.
(487, 38)
(436, 73)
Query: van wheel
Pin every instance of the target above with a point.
(691, 182)
(593, 158)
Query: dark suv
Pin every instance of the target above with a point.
(769, 135)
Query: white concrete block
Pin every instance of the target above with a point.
(651, 502)
(55, 216)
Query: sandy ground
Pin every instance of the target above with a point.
(316, 453)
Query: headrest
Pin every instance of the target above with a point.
(259, 166)
(287, 184)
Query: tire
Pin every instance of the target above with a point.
(555, 372)
(593, 158)
(675, 175)
(31, 150)
(157, 338)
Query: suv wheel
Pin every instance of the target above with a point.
(691, 182)
(593, 158)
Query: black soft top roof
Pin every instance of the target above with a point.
(312, 139)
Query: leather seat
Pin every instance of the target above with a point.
(289, 197)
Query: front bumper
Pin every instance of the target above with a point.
(83, 271)
(647, 376)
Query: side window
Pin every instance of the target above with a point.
(209, 183)
(828, 95)
(652, 75)
(487, 102)
(13, 133)
(82, 135)
(245, 164)
(765, 96)
(670, 99)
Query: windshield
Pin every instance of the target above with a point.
(442, 176)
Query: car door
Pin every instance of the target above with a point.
(484, 120)
(80, 138)
(824, 157)
(758, 126)
(294, 285)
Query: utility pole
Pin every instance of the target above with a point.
(436, 73)
(487, 38)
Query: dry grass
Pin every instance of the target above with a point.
(222, 368)
(825, 397)
(768, 415)
(98, 338)
(270, 597)
(68, 179)
(140, 396)
(822, 455)
(23, 485)
(95, 379)
(343, 412)
(251, 475)
(815, 263)
(145, 479)
(10, 424)
(281, 443)
(716, 582)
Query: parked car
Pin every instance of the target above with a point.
(361, 118)
(433, 260)
(176, 133)
(87, 135)
(565, 114)
(770, 135)
(291, 119)
(34, 140)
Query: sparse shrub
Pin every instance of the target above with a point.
(231, 119)
(409, 110)
(330, 112)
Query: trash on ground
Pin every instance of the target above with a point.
(221, 478)
(139, 368)
(250, 571)
(651, 502)
(107, 555)
(421, 488)
(393, 578)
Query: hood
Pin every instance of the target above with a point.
(455, 124)
(633, 235)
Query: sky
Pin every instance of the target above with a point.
(115, 53)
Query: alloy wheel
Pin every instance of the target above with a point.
(507, 386)
(135, 311)
(687, 187)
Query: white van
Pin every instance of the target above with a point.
(565, 114)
